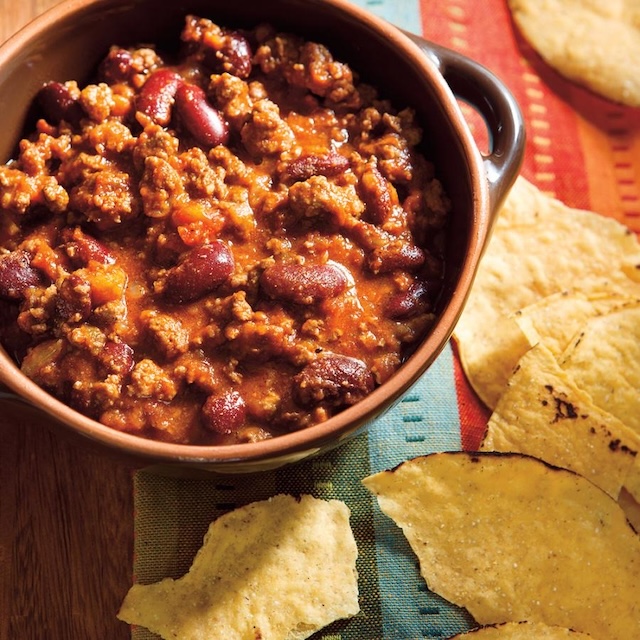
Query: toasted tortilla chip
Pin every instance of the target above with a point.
(591, 42)
(555, 320)
(278, 569)
(539, 247)
(544, 414)
(488, 357)
(522, 631)
(512, 538)
(604, 360)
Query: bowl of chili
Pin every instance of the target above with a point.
(235, 247)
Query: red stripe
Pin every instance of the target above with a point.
(473, 414)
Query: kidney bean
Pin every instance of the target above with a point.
(204, 123)
(397, 254)
(83, 248)
(333, 379)
(201, 271)
(58, 104)
(377, 195)
(224, 414)
(116, 67)
(304, 167)
(117, 357)
(304, 284)
(17, 274)
(157, 95)
(415, 300)
(233, 56)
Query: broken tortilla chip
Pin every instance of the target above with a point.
(512, 538)
(279, 569)
(555, 320)
(544, 414)
(539, 247)
(604, 360)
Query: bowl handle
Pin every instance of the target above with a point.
(478, 86)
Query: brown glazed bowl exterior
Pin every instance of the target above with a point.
(69, 40)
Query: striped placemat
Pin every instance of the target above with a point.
(581, 149)
(173, 514)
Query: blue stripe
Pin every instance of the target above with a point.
(403, 13)
(427, 413)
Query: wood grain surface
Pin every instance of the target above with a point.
(66, 513)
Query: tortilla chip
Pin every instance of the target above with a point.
(631, 508)
(488, 358)
(512, 538)
(278, 569)
(544, 414)
(553, 320)
(592, 43)
(522, 631)
(632, 482)
(556, 319)
(604, 360)
(539, 247)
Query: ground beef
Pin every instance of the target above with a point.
(219, 245)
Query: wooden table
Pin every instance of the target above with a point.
(66, 526)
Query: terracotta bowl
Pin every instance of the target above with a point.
(68, 41)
